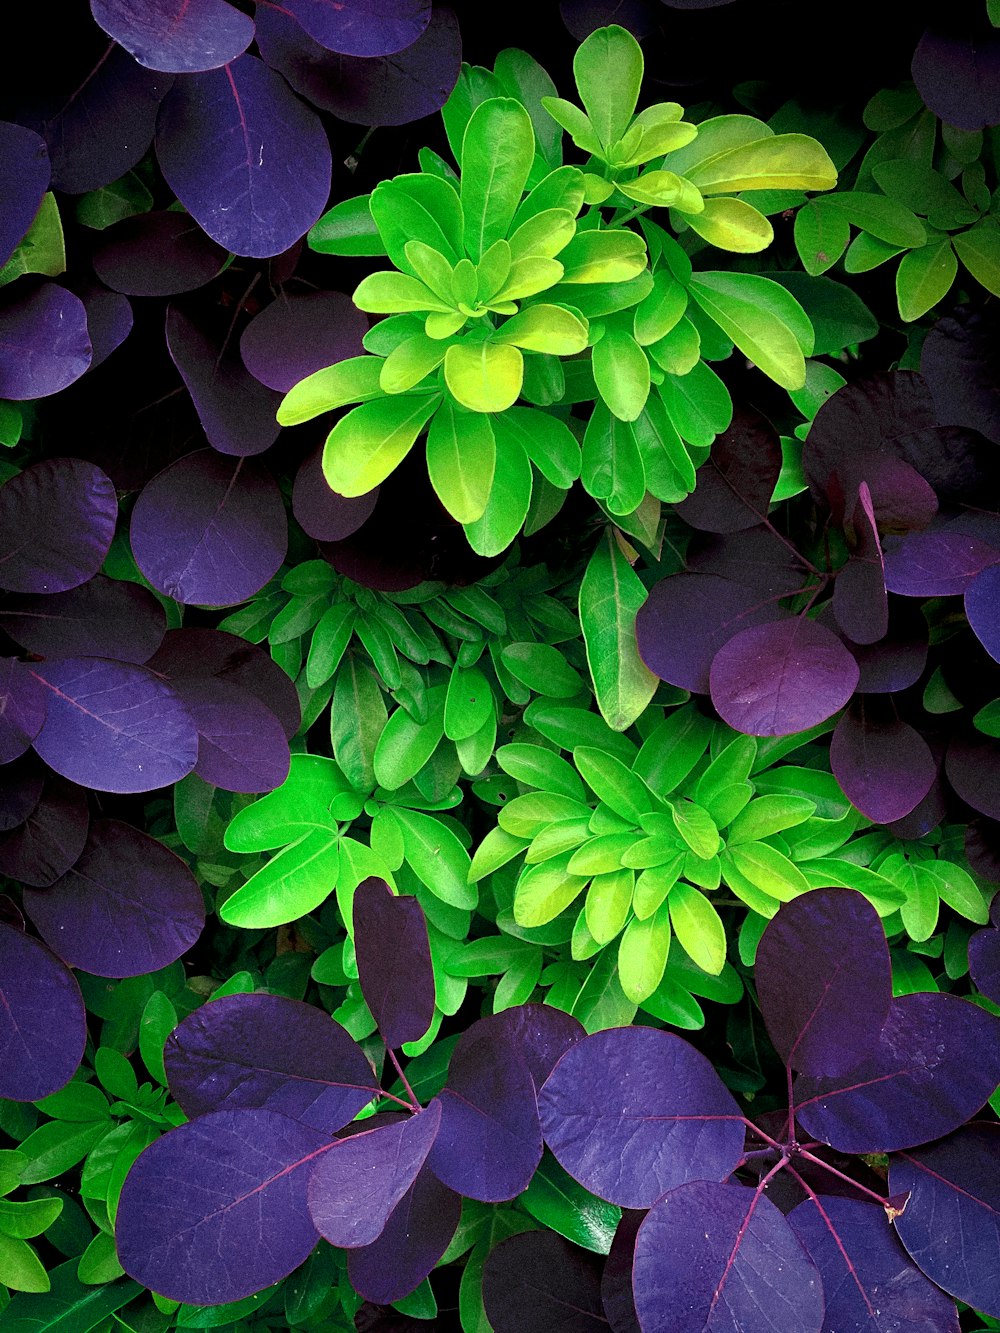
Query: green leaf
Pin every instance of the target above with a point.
(614, 784)
(409, 363)
(664, 189)
(698, 404)
(545, 328)
(526, 816)
(355, 380)
(475, 85)
(672, 749)
(679, 351)
(159, 1018)
(769, 814)
(405, 746)
(431, 267)
(42, 248)
(461, 456)
(885, 219)
(497, 849)
(347, 229)
(469, 704)
(562, 188)
(542, 668)
(418, 207)
(611, 464)
(357, 717)
(20, 1267)
(564, 1206)
(778, 162)
(370, 442)
(610, 595)
(329, 643)
(667, 467)
(99, 1262)
(621, 372)
(659, 312)
(766, 869)
(56, 1146)
(643, 952)
(608, 901)
(485, 376)
(979, 250)
(987, 720)
(524, 79)
(68, 1306)
(608, 69)
(575, 122)
(821, 236)
(390, 293)
(299, 806)
(528, 277)
(601, 1002)
(926, 191)
(547, 441)
(127, 197)
(837, 314)
(733, 224)
(509, 499)
(28, 1217)
(497, 151)
(77, 1102)
(543, 235)
(289, 886)
(603, 256)
(567, 727)
(437, 858)
(488, 956)
(764, 320)
(545, 890)
(542, 769)
(698, 927)
(697, 827)
(924, 278)
(959, 890)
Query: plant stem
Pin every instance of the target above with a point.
(414, 1104)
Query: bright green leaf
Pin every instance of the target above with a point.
(610, 595)
(370, 442)
(698, 927)
(497, 151)
(355, 380)
(924, 278)
(608, 69)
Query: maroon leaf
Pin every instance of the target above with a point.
(322, 513)
(394, 963)
(43, 1024)
(757, 557)
(25, 169)
(297, 334)
(971, 766)
(885, 767)
(735, 486)
(51, 837)
(416, 1235)
(101, 618)
(895, 662)
(156, 254)
(859, 598)
(109, 320)
(176, 35)
(57, 519)
(44, 343)
(537, 1282)
(23, 703)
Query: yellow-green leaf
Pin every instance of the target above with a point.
(461, 456)
(356, 380)
(485, 376)
(643, 953)
(780, 162)
(698, 928)
(734, 225)
(369, 443)
(545, 328)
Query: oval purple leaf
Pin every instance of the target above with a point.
(48, 842)
(972, 766)
(859, 598)
(537, 1282)
(776, 679)
(958, 361)
(394, 963)
(984, 962)
(101, 618)
(756, 557)
(937, 563)
(362, 27)
(210, 531)
(20, 791)
(113, 725)
(416, 1235)
(156, 254)
(57, 519)
(25, 171)
(982, 847)
(957, 74)
(895, 662)
(735, 486)
(982, 606)
(823, 957)
(128, 906)
(633, 1112)
(885, 767)
(322, 513)
(23, 704)
(44, 342)
(918, 1085)
(215, 1210)
(43, 1025)
(541, 1034)
(109, 320)
(297, 334)
(269, 1052)
(714, 1257)
(249, 161)
(176, 35)
(241, 744)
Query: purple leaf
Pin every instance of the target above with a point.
(20, 791)
(937, 563)
(633, 1112)
(44, 343)
(687, 618)
(128, 905)
(776, 679)
(537, 1282)
(581, 17)
(362, 27)
(210, 531)
(926, 815)
(982, 606)
(617, 1296)
(23, 704)
(901, 499)
(216, 1209)
(984, 961)
(870, 1284)
(25, 171)
(156, 254)
(394, 963)
(355, 1188)
(822, 958)
(236, 411)
(541, 1035)
(416, 1235)
(109, 320)
(982, 847)
(895, 662)
(57, 519)
(735, 486)
(101, 618)
(297, 334)
(241, 743)
(249, 161)
(884, 766)
(380, 90)
(176, 35)
(919, 1084)
(957, 73)
(720, 1258)
(322, 513)
(859, 598)
(958, 361)
(971, 766)
(43, 1025)
(268, 1052)
(48, 842)
(756, 557)
(951, 1223)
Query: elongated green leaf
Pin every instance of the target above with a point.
(301, 805)
(664, 189)
(543, 891)
(407, 364)
(392, 293)
(667, 467)
(698, 927)
(526, 816)
(780, 162)
(733, 224)
(621, 372)
(543, 235)
(924, 277)
(716, 137)
(357, 716)
(959, 890)
(547, 441)
(418, 207)
(329, 643)
(608, 901)
(524, 79)
(767, 869)
(497, 152)
(469, 704)
(485, 376)
(603, 256)
(475, 85)
(437, 858)
(610, 595)
(767, 815)
(544, 769)
(291, 885)
(885, 219)
(68, 1306)
(431, 267)
(643, 953)
(543, 668)
(355, 380)
(657, 313)
(697, 827)
(347, 229)
(545, 328)
(563, 1205)
(369, 443)
(821, 236)
(979, 250)
(611, 464)
(461, 456)
(608, 70)
(575, 122)
(405, 746)
(698, 404)
(562, 188)
(496, 850)
(766, 327)
(509, 499)
(614, 784)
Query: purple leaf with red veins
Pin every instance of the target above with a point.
(871, 1286)
(633, 1112)
(937, 563)
(859, 597)
(536, 1282)
(958, 360)
(272, 1053)
(156, 254)
(957, 73)
(971, 765)
(415, 1237)
(823, 957)
(241, 744)
(210, 531)
(25, 171)
(113, 725)
(23, 704)
(51, 838)
(176, 35)
(884, 766)
(362, 27)
(57, 519)
(109, 320)
(720, 1258)
(216, 1209)
(984, 959)
(44, 342)
(776, 679)
(322, 513)
(982, 606)
(735, 486)
(300, 333)
(354, 1189)
(918, 1084)
(245, 157)
(951, 1223)
(101, 618)
(43, 1025)
(128, 905)
(394, 963)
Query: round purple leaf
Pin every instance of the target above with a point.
(895, 662)
(23, 704)
(210, 531)
(44, 343)
(581, 17)
(536, 1282)
(416, 1235)
(633, 1112)
(43, 847)
(128, 906)
(215, 1210)
(20, 791)
(322, 513)
(362, 27)
(43, 1025)
(958, 360)
(937, 563)
(113, 725)
(885, 767)
(984, 962)
(776, 679)
(541, 1034)
(266, 1051)
(957, 74)
(109, 320)
(394, 963)
(297, 334)
(25, 171)
(57, 519)
(241, 744)
(972, 764)
(714, 1257)
(735, 486)
(982, 606)
(249, 161)
(101, 618)
(156, 254)
(176, 35)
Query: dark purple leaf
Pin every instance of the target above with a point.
(936, 563)
(57, 519)
(957, 73)
(901, 499)
(919, 1084)
(776, 679)
(416, 1235)
(972, 766)
(884, 766)
(355, 1188)
(687, 618)
(156, 254)
(869, 1282)
(982, 606)
(984, 962)
(362, 27)
(215, 1210)
(720, 1258)
(322, 513)
(958, 360)
(236, 411)
(379, 90)
(582, 17)
(128, 906)
(101, 618)
(23, 704)
(757, 557)
(50, 839)
(897, 661)
(44, 343)
(982, 847)
(209, 530)
(926, 815)
(299, 333)
(859, 598)
(616, 1281)
(536, 1282)
(541, 1034)
(394, 964)
(10, 913)
(43, 1025)
(633, 1112)
(249, 161)
(241, 743)
(20, 791)
(823, 958)
(951, 1223)
(268, 1052)
(109, 320)
(176, 35)
(25, 171)
(735, 486)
